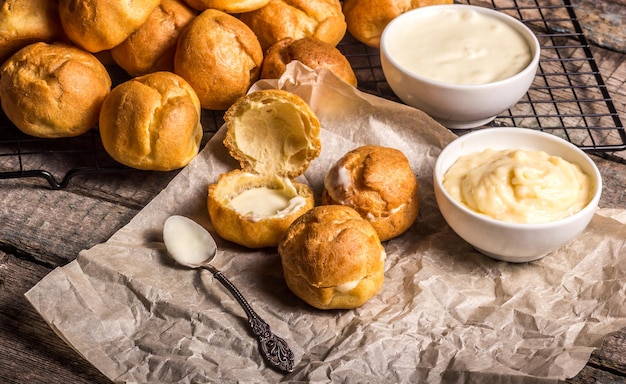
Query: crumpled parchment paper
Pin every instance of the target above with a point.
(446, 313)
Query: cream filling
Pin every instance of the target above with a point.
(188, 242)
(464, 47)
(277, 201)
(391, 212)
(337, 181)
(518, 185)
(350, 285)
(347, 287)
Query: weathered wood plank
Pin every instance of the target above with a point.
(590, 375)
(54, 225)
(613, 189)
(611, 355)
(31, 352)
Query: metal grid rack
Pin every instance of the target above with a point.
(568, 98)
(58, 161)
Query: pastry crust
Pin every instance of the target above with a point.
(151, 48)
(322, 19)
(152, 122)
(309, 51)
(228, 6)
(379, 184)
(366, 19)
(53, 90)
(220, 57)
(98, 25)
(26, 22)
(332, 258)
(245, 228)
(272, 132)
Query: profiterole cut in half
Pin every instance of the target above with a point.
(274, 135)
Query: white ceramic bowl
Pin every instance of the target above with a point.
(505, 240)
(455, 106)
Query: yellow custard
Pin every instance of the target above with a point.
(520, 186)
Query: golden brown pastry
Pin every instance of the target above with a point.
(272, 131)
(228, 6)
(322, 19)
(151, 48)
(366, 19)
(309, 51)
(25, 22)
(152, 122)
(332, 258)
(220, 57)
(379, 184)
(255, 210)
(274, 135)
(53, 90)
(98, 25)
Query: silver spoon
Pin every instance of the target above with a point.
(192, 246)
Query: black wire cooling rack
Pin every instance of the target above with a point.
(568, 98)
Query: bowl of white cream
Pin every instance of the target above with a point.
(461, 64)
(516, 194)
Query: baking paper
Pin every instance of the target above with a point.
(446, 313)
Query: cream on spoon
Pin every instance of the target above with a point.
(190, 245)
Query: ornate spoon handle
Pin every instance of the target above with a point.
(274, 349)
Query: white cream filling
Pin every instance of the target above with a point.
(188, 242)
(347, 287)
(391, 212)
(264, 202)
(461, 47)
(350, 285)
(337, 181)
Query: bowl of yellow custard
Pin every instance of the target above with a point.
(516, 194)
(461, 64)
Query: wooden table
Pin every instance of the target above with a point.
(44, 228)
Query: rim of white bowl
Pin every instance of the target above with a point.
(591, 205)
(532, 65)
